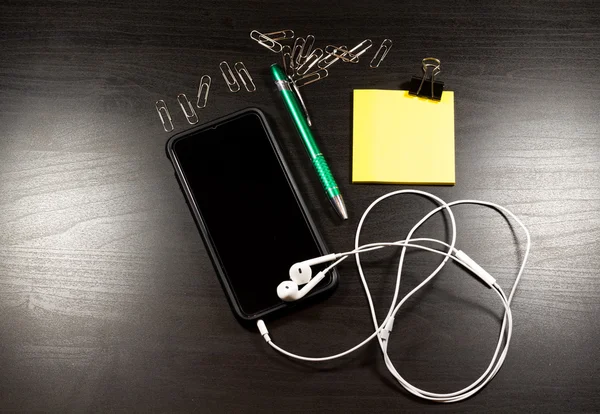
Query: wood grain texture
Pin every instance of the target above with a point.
(108, 301)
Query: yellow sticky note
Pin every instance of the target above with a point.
(402, 139)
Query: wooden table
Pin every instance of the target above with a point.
(108, 300)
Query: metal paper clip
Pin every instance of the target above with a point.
(281, 34)
(203, 91)
(297, 48)
(266, 41)
(242, 72)
(330, 59)
(186, 105)
(381, 53)
(341, 52)
(433, 66)
(163, 112)
(306, 49)
(361, 48)
(311, 77)
(231, 82)
(301, 100)
(288, 62)
(310, 61)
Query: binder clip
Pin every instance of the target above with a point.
(426, 86)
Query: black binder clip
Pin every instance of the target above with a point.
(426, 86)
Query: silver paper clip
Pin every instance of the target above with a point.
(341, 52)
(203, 91)
(187, 108)
(311, 77)
(361, 48)
(242, 72)
(281, 34)
(266, 41)
(297, 48)
(381, 53)
(288, 62)
(310, 61)
(230, 80)
(330, 59)
(306, 49)
(163, 113)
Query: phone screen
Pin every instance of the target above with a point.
(248, 207)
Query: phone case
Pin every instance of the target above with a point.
(284, 307)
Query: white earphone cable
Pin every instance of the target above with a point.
(382, 331)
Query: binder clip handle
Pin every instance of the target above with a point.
(426, 86)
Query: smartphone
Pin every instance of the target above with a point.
(248, 210)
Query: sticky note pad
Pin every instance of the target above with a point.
(402, 139)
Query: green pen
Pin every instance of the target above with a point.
(318, 161)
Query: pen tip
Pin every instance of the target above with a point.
(340, 207)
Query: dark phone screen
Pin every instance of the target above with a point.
(248, 207)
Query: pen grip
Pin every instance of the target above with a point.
(329, 184)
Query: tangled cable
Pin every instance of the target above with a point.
(382, 330)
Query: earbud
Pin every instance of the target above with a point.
(288, 290)
(301, 272)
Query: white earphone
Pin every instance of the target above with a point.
(300, 274)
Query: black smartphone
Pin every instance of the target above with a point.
(247, 207)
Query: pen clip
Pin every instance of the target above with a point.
(296, 92)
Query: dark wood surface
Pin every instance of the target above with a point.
(108, 301)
